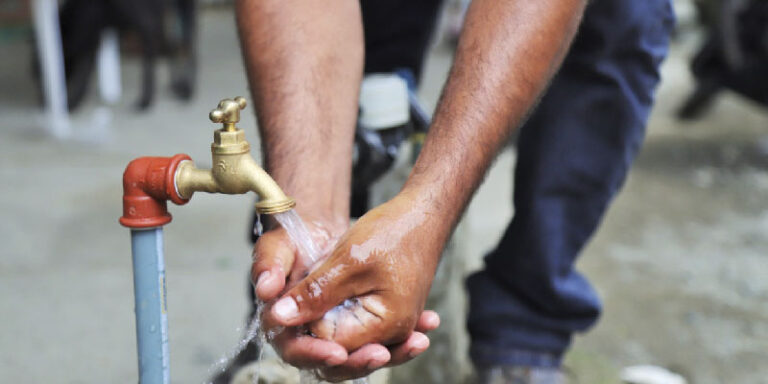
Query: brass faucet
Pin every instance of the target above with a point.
(234, 170)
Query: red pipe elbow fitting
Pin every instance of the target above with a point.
(148, 183)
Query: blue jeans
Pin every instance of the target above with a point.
(573, 156)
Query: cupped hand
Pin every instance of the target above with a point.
(380, 271)
(277, 266)
(277, 262)
(333, 363)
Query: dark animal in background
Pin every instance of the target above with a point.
(734, 55)
(160, 26)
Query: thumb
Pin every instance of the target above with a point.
(323, 289)
(273, 258)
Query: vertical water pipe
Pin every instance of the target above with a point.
(151, 306)
(147, 185)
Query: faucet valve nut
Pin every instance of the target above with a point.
(228, 112)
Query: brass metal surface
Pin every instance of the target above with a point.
(234, 169)
(228, 112)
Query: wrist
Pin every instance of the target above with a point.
(317, 197)
(439, 215)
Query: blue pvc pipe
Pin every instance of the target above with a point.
(151, 311)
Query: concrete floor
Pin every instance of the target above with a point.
(680, 260)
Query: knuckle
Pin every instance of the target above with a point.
(256, 253)
(260, 255)
(257, 267)
(314, 287)
(310, 295)
(399, 329)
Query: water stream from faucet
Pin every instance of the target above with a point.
(297, 231)
(310, 254)
(308, 250)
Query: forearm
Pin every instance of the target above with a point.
(304, 62)
(507, 53)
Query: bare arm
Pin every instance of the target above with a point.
(508, 52)
(305, 62)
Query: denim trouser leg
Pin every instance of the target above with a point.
(573, 156)
(397, 33)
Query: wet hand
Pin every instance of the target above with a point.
(385, 264)
(274, 254)
(277, 263)
(333, 363)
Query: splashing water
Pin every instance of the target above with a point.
(253, 334)
(308, 250)
(308, 377)
(297, 231)
(258, 228)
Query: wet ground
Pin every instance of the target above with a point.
(680, 260)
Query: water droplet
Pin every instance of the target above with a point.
(308, 250)
(258, 228)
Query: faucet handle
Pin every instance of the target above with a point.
(228, 112)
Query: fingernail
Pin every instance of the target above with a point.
(421, 342)
(262, 278)
(286, 309)
(419, 346)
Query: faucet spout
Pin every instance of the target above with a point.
(233, 175)
(234, 169)
(272, 199)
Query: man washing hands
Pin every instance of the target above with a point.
(305, 61)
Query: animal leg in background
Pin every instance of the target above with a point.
(184, 59)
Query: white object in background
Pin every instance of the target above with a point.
(650, 374)
(48, 34)
(109, 67)
(383, 101)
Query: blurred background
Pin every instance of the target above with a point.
(681, 260)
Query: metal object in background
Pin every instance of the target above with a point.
(148, 183)
(390, 113)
